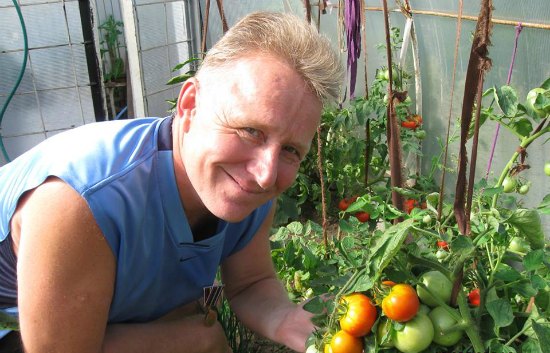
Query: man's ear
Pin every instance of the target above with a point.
(186, 103)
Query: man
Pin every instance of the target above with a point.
(111, 231)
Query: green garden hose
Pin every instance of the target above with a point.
(21, 72)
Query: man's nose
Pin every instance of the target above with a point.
(265, 167)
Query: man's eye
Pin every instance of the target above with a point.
(293, 151)
(252, 132)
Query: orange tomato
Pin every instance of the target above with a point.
(359, 316)
(402, 303)
(343, 342)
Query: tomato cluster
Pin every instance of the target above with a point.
(412, 318)
(412, 122)
(411, 204)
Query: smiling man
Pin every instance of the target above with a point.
(110, 232)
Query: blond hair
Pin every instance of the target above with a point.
(287, 37)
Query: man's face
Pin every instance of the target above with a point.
(252, 125)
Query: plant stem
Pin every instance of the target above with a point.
(525, 142)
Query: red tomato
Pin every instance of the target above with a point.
(360, 315)
(473, 297)
(362, 216)
(388, 283)
(442, 244)
(402, 303)
(410, 204)
(343, 342)
(408, 124)
(345, 202)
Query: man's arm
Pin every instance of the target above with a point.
(257, 296)
(66, 272)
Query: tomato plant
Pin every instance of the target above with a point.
(434, 285)
(442, 321)
(415, 336)
(401, 304)
(343, 342)
(359, 316)
(473, 297)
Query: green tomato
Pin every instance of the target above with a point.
(417, 335)
(423, 309)
(509, 184)
(420, 134)
(530, 102)
(547, 168)
(383, 75)
(438, 284)
(442, 320)
(427, 219)
(442, 255)
(519, 245)
(524, 189)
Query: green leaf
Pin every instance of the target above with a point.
(522, 126)
(507, 274)
(527, 222)
(546, 84)
(345, 226)
(387, 246)
(295, 228)
(543, 334)
(531, 346)
(533, 260)
(524, 288)
(544, 206)
(188, 61)
(364, 283)
(507, 100)
(501, 312)
(316, 305)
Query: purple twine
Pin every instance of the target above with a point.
(519, 27)
(352, 23)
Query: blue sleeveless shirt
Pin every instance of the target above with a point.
(124, 171)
